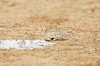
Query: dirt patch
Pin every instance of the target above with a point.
(25, 19)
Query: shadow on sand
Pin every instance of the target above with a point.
(57, 40)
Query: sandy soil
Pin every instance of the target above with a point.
(25, 19)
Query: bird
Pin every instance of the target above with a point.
(53, 34)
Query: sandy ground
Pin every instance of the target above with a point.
(25, 19)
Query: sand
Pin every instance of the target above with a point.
(26, 19)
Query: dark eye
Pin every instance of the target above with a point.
(52, 38)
